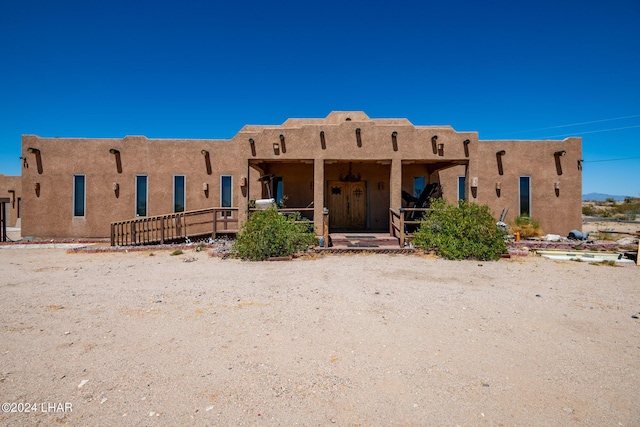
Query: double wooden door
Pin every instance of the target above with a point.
(347, 204)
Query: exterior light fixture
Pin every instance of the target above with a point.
(394, 134)
(474, 182)
(559, 153)
(501, 153)
(205, 186)
(115, 186)
(33, 150)
(251, 141)
(556, 185)
(114, 151)
(204, 152)
(498, 185)
(466, 142)
(276, 148)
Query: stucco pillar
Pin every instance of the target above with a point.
(318, 194)
(395, 184)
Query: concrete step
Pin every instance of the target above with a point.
(362, 240)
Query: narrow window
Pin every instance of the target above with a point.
(78, 195)
(462, 182)
(225, 194)
(418, 186)
(141, 195)
(525, 195)
(278, 191)
(179, 191)
(19, 201)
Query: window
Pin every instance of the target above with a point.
(278, 192)
(525, 195)
(179, 191)
(418, 186)
(141, 195)
(225, 191)
(462, 182)
(78, 195)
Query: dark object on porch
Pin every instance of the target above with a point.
(430, 192)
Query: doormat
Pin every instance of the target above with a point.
(361, 245)
(360, 237)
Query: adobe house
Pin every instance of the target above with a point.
(354, 166)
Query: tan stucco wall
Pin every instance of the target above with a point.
(387, 154)
(13, 183)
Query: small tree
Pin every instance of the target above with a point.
(467, 231)
(268, 233)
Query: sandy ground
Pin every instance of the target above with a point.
(351, 340)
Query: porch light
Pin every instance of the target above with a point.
(559, 153)
(115, 186)
(498, 185)
(474, 182)
(441, 149)
(114, 151)
(556, 185)
(205, 187)
(276, 148)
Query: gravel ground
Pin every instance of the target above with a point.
(102, 339)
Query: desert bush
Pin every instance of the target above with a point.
(268, 233)
(526, 226)
(589, 210)
(467, 231)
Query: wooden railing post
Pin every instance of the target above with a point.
(401, 230)
(214, 233)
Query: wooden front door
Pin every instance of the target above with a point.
(347, 203)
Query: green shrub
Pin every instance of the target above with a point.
(460, 232)
(268, 233)
(176, 252)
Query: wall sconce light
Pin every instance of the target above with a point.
(33, 150)
(276, 148)
(498, 188)
(243, 181)
(114, 151)
(36, 188)
(205, 186)
(115, 186)
(556, 185)
(560, 153)
(474, 182)
(381, 186)
(441, 149)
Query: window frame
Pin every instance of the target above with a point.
(424, 184)
(529, 201)
(146, 201)
(84, 196)
(184, 193)
(462, 179)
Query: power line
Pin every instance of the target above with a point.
(610, 160)
(570, 125)
(591, 131)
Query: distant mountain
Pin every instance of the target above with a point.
(599, 197)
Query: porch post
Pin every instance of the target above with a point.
(318, 195)
(395, 184)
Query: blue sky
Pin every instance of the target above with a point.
(203, 69)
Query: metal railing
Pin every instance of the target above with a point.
(176, 226)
